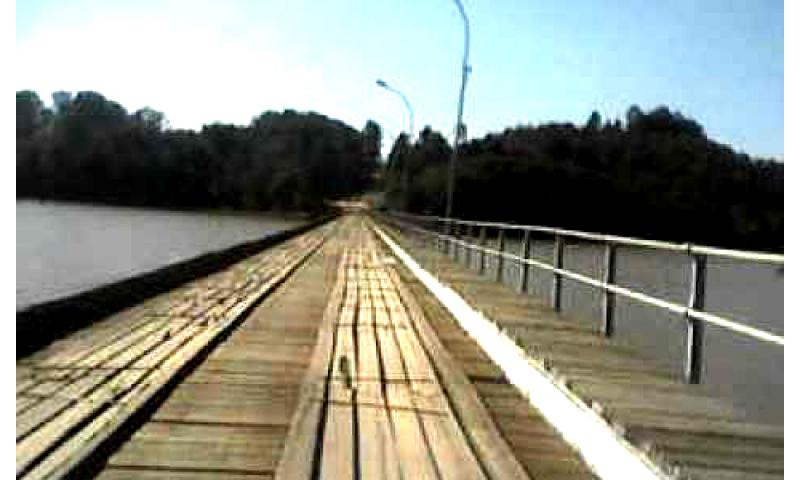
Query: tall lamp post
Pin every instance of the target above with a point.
(465, 69)
(385, 85)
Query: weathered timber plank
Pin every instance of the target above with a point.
(377, 451)
(416, 459)
(413, 449)
(449, 448)
(230, 403)
(138, 473)
(494, 453)
(726, 474)
(298, 455)
(339, 442)
(38, 414)
(203, 446)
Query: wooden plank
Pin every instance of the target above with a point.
(79, 445)
(133, 473)
(94, 338)
(298, 455)
(701, 426)
(230, 403)
(614, 407)
(25, 383)
(707, 442)
(723, 460)
(39, 414)
(117, 382)
(491, 448)
(83, 384)
(267, 373)
(170, 342)
(119, 346)
(338, 442)
(415, 457)
(50, 433)
(25, 402)
(448, 445)
(46, 388)
(727, 474)
(135, 351)
(223, 448)
(377, 452)
(413, 451)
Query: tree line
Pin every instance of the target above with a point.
(89, 148)
(657, 175)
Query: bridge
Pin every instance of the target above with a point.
(389, 346)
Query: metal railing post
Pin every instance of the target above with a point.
(454, 233)
(609, 277)
(524, 268)
(468, 247)
(451, 244)
(501, 243)
(694, 328)
(446, 226)
(456, 246)
(482, 257)
(438, 239)
(558, 262)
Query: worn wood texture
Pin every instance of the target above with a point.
(76, 393)
(384, 412)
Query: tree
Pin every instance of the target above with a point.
(29, 112)
(61, 101)
(659, 177)
(633, 115)
(594, 122)
(94, 151)
(151, 120)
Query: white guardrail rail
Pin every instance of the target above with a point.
(445, 232)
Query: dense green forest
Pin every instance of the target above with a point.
(89, 148)
(656, 176)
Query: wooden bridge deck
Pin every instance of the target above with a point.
(324, 357)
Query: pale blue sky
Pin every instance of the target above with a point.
(718, 61)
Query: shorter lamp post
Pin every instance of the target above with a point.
(385, 85)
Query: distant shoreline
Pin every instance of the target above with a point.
(230, 211)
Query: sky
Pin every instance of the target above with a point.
(533, 61)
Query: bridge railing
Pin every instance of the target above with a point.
(447, 234)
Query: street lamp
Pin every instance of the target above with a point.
(383, 84)
(465, 69)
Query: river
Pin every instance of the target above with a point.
(66, 248)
